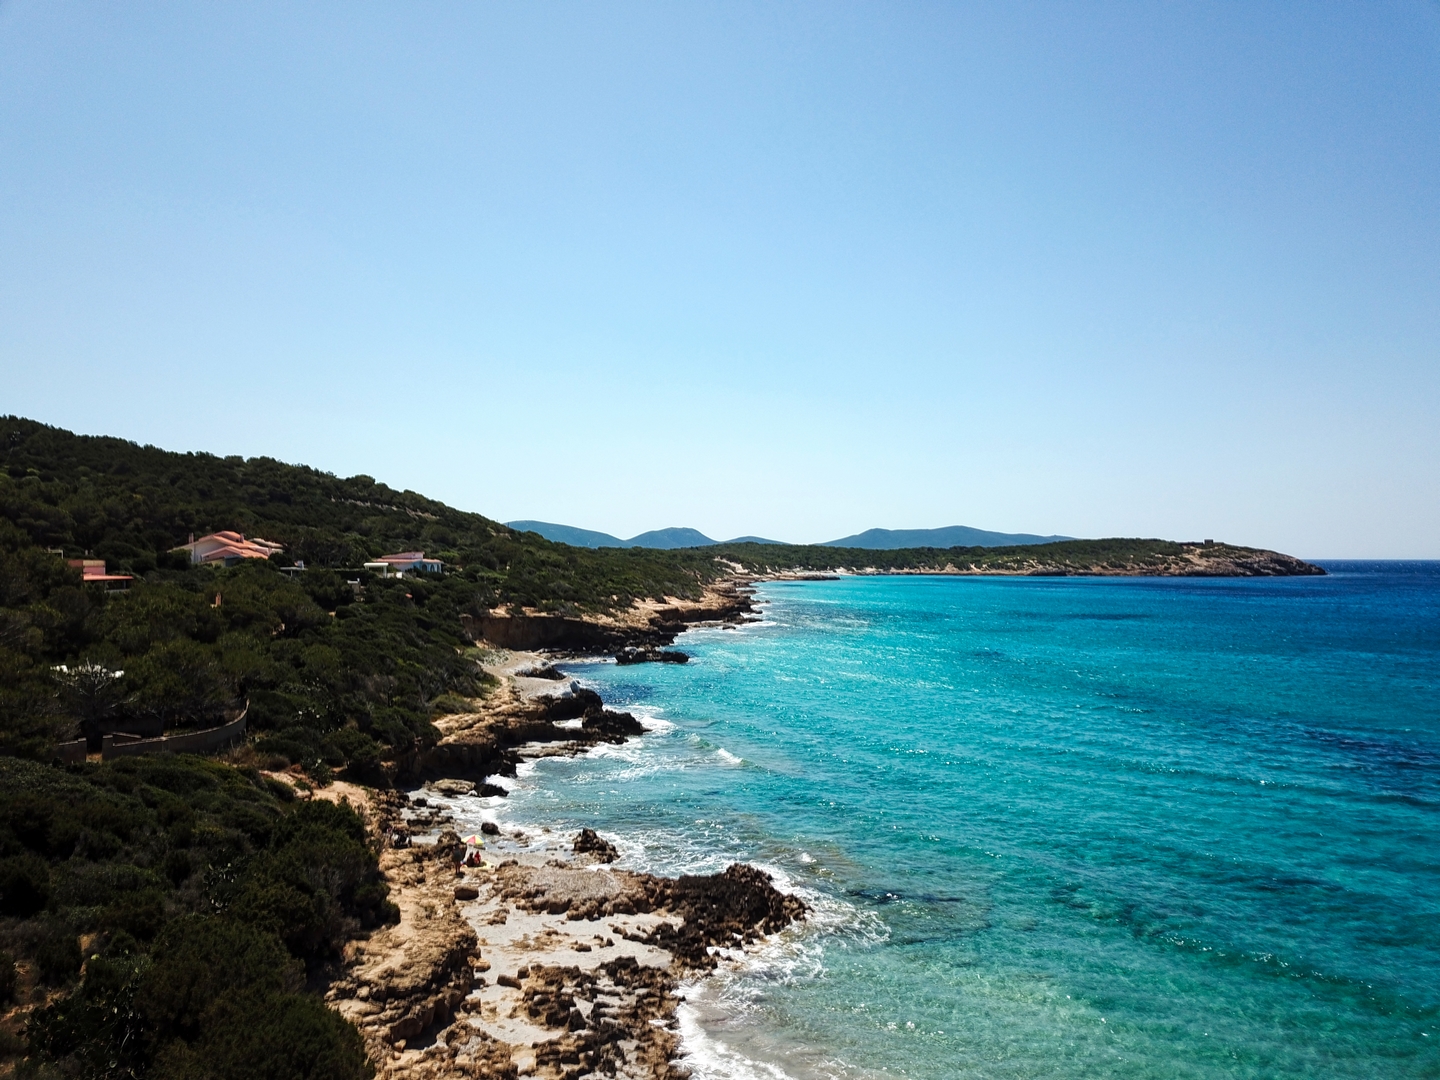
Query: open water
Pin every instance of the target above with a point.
(1052, 827)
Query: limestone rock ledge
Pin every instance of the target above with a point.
(542, 967)
(413, 977)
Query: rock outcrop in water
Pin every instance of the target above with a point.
(536, 967)
(651, 656)
(487, 741)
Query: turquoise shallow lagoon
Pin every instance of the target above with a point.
(1052, 827)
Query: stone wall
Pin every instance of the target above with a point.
(195, 742)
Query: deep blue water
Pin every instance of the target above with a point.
(1053, 827)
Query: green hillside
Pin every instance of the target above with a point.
(333, 682)
(169, 912)
(129, 504)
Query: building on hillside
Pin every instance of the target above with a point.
(94, 571)
(228, 548)
(406, 562)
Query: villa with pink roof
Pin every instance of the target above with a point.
(228, 548)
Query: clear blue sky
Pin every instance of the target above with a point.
(788, 269)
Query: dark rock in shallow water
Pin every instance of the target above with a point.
(723, 910)
(572, 706)
(589, 842)
(598, 721)
(610, 726)
(549, 671)
(489, 828)
(651, 656)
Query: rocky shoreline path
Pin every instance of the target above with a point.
(534, 965)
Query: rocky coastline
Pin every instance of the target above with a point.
(546, 962)
(555, 964)
(1186, 560)
(644, 629)
(643, 632)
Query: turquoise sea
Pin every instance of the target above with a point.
(1051, 827)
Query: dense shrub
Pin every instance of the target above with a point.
(203, 896)
(7, 978)
(24, 885)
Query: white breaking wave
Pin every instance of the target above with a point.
(724, 1011)
(710, 1059)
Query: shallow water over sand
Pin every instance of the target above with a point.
(1062, 828)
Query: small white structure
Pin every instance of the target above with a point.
(406, 562)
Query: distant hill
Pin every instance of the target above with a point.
(670, 538)
(872, 539)
(568, 534)
(948, 537)
(662, 539)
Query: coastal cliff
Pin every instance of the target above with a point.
(645, 625)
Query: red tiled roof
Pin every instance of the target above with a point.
(229, 545)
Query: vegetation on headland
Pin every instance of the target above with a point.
(125, 887)
(1064, 557)
(336, 676)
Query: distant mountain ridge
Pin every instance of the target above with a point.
(874, 539)
(665, 539)
(947, 537)
(568, 534)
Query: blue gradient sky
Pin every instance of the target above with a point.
(795, 269)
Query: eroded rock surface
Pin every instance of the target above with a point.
(542, 968)
(538, 966)
(590, 844)
(408, 981)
